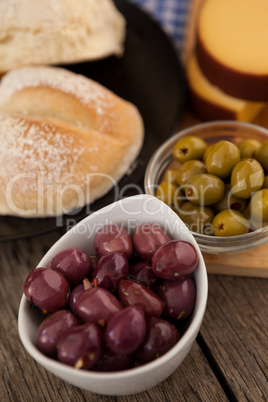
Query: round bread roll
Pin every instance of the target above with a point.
(65, 141)
(58, 31)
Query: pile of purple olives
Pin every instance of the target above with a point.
(120, 308)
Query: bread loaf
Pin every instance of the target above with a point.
(58, 31)
(65, 141)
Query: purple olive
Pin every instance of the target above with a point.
(73, 296)
(146, 238)
(134, 293)
(179, 297)
(110, 268)
(160, 337)
(52, 328)
(97, 305)
(174, 259)
(126, 330)
(73, 263)
(111, 361)
(143, 272)
(47, 289)
(81, 346)
(112, 238)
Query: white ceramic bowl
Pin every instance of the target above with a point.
(211, 132)
(129, 211)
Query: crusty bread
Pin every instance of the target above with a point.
(65, 141)
(58, 31)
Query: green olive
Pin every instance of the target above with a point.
(174, 164)
(265, 183)
(170, 176)
(246, 212)
(178, 199)
(222, 178)
(189, 147)
(204, 189)
(230, 223)
(189, 169)
(222, 158)
(255, 224)
(246, 178)
(248, 147)
(230, 201)
(197, 218)
(208, 149)
(166, 192)
(258, 205)
(262, 155)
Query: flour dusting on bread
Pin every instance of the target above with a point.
(65, 141)
(83, 88)
(58, 31)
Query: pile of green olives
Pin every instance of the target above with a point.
(218, 189)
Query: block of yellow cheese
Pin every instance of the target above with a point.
(231, 45)
(211, 103)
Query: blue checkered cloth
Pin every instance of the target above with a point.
(170, 14)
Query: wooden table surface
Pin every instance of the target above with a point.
(228, 361)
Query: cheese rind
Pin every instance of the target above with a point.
(230, 45)
(210, 103)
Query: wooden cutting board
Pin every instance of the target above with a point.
(253, 262)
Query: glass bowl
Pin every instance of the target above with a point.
(130, 212)
(211, 132)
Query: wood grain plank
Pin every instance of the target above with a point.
(252, 263)
(24, 380)
(235, 331)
